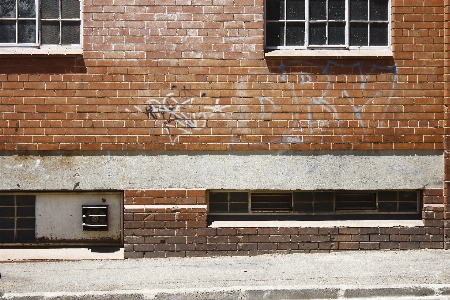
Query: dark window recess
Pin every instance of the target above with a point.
(17, 218)
(356, 201)
(402, 201)
(271, 202)
(315, 202)
(236, 202)
(326, 23)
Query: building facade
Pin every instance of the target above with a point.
(220, 127)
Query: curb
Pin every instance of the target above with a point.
(247, 293)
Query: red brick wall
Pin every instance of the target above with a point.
(447, 123)
(152, 231)
(204, 60)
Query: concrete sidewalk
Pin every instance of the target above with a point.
(421, 274)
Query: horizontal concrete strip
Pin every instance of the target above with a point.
(252, 293)
(282, 170)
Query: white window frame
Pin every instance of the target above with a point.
(45, 49)
(328, 50)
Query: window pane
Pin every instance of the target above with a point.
(7, 212)
(25, 200)
(303, 202)
(407, 206)
(218, 202)
(318, 10)
(407, 196)
(378, 34)
(275, 34)
(356, 201)
(336, 34)
(8, 9)
(70, 9)
(387, 206)
(336, 9)
(358, 10)
(6, 236)
(218, 207)
(25, 236)
(387, 196)
(295, 9)
(50, 9)
(295, 34)
(358, 34)
(317, 34)
(239, 207)
(27, 32)
(239, 197)
(218, 197)
(70, 33)
(27, 9)
(25, 223)
(7, 32)
(275, 9)
(379, 10)
(50, 33)
(271, 202)
(7, 223)
(6, 200)
(25, 211)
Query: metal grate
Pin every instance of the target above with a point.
(17, 218)
(95, 217)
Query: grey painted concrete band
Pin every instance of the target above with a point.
(249, 293)
(222, 171)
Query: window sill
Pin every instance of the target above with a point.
(41, 51)
(320, 224)
(376, 53)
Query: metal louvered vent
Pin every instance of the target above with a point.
(95, 217)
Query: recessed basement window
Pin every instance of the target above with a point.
(17, 218)
(314, 204)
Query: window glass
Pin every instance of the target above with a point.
(275, 10)
(304, 24)
(379, 10)
(295, 34)
(8, 9)
(358, 9)
(336, 9)
(295, 9)
(318, 10)
(59, 23)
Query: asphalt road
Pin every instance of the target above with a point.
(339, 275)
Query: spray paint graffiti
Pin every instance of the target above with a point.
(179, 113)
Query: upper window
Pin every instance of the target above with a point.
(40, 22)
(339, 24)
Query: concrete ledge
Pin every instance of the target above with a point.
(60, 254)
(252, 293)
(327, 224)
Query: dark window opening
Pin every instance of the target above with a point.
(310, 205)
(17, 218)
(325, 23)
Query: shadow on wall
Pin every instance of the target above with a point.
(42, 65)
(364, 66)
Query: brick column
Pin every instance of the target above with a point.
(447, 123)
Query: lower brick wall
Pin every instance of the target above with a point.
(172, 223)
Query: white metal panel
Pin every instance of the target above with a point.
(59, 217)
